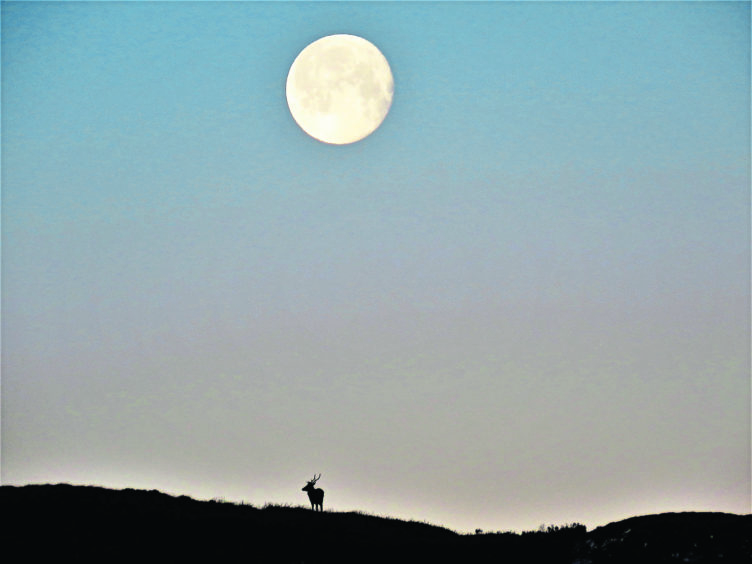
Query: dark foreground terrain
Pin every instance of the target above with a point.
(88, 524)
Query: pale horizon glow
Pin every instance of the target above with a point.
(523, 300)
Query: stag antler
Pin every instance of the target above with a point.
(315, 479)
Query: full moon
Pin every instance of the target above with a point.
(339, 89)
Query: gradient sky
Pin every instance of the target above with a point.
(524, 299)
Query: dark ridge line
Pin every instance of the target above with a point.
(94, 523)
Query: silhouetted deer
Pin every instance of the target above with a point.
(316, 495)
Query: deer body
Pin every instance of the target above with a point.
(316, 495)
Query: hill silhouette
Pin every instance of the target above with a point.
(89, 523)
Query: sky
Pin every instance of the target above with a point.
(523, 300)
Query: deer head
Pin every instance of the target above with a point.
(310, 484)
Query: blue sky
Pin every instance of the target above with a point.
(523, 299)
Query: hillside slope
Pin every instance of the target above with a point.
(91, 523)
